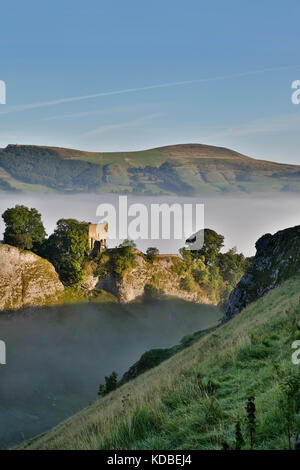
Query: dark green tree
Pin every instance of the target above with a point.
(151, 253)
(213, 242)
(121, 259)
(232, 266)
(215, 272)
(186, 256)
(127, 242)
(24, 228)
(66, 249)
(111, 383)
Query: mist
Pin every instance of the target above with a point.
(58, 356)
(241, 219)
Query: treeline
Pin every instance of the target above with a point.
(164, 176)
(215, 272)
(68, 250)
(44, 166)
(36, 165)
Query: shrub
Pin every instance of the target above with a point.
(151, 253)
(187, 283)
(111, 383)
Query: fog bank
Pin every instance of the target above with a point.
(241, 219)
(58, 356)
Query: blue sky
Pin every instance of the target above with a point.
(246, 52)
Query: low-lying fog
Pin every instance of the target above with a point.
(58, 356)
(241, 219)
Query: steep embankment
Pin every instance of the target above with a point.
(277, 259)
(162, 276)
(194, 399)
(154, 357)
(26, 279)
(187, 169)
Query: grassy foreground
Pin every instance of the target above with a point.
(194, 399)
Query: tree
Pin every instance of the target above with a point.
(151, 253)
(127, 242)
(111, 383)
(215, 272)
(24, 228)
(121, 259)
(232, 266)
(213, 242)
(186, 256)
(66, 249)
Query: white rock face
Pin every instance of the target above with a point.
(26, 279)
(160, 274)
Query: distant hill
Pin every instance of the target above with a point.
(187, 169)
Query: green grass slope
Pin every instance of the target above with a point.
(187, 169)
(194, 399)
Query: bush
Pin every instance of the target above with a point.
(151, 253)
(117, 261)
(111, 383)
(152, 292)
(187, 283)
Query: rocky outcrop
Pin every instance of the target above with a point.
(162, 276)
(26, 279)
(277, 259)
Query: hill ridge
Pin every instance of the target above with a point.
(181, 169)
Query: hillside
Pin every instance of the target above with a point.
(277, 258)
(187, 169)
(194, 399)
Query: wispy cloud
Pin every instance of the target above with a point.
(112, 127)
(270, 125)
(71, 116)
(114, 109)
(25, 107)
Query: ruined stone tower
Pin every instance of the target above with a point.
(98, 236)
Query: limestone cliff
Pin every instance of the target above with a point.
(277, 259)
(26, 279)
(162, 275)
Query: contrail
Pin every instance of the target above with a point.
(109, 127)
(132, 90)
